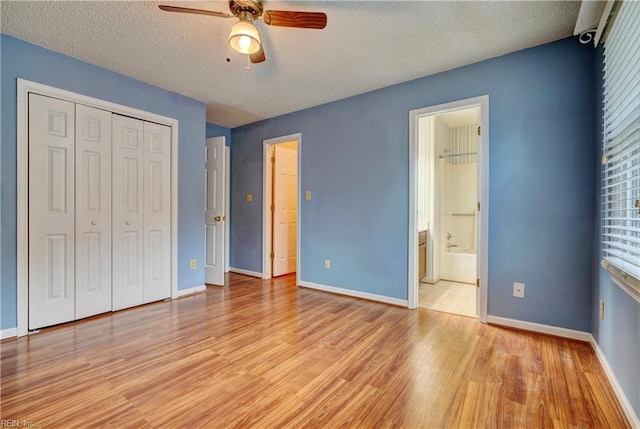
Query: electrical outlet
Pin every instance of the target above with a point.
(601, 310)
(327, 263)
(193, 264)
(249, 197)
(518, 290)
(307, 195)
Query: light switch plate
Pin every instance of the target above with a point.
(307, 195)
(249, 198)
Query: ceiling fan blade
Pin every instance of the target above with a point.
(258, 57)
(282, 18)
(195, 11)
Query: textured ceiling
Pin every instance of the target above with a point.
(366, 45)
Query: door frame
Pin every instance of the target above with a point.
(227, 205)
(483, 179)
(22, 112)
(267, 216)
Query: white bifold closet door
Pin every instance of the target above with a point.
(69, 211)
(51, 211)
(93, 211)
(99, 211)
(157, 212)
(141, 212)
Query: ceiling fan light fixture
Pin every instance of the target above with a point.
(244, 37)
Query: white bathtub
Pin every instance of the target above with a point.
(458, 266)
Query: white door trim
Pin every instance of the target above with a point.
(267, 181)
(24, 88)
(227, 205)
(483, 175)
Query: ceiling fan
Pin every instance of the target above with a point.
(244, 36)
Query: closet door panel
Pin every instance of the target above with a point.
(93, 211)
(128, 212)
(157, 212)
(51, 211)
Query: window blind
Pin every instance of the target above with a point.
(621, 152)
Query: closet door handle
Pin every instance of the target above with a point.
(127, 223)
(93, 222)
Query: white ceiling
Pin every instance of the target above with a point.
(366, 45)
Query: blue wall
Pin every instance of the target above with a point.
(619, 333)
(214, 130)
(27, 61)
(354, 159)
(543, 173)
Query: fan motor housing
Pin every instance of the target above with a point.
(253, 7)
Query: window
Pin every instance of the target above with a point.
(621, 151)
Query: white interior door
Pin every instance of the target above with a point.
(157, 212)
(93, 211)
(51, 211)
(478, 225)
(214, 211)
(128, 240)
(285, 209)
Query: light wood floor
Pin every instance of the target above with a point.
(270, 355)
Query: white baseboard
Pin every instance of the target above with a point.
(627, 408)
(245, 272)
(540, 328)
(8, 333)
(355, 293)
(191, 290)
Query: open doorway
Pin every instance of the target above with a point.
(448, 182)
(447, 216)
(280, 206)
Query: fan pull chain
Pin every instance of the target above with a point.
(248, 68)
(228, 53)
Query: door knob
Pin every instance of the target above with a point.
(217, 218)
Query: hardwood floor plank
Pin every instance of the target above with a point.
(266, 354)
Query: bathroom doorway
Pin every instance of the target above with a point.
(448, 280)
(448, 143)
